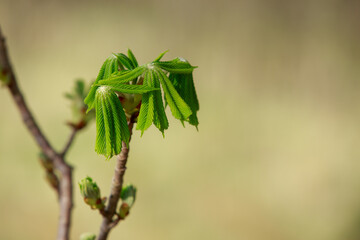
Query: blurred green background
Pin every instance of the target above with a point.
(277, 152)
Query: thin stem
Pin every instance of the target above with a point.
(118, 179)
(69, 142)
(65, 193)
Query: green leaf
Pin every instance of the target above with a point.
(110, 140)
(160, 119)
(152, 107)
(109, 67)
(90, 99)
(127, 88)
(146, 114)
(178, 65)
(184, 85)
(132, 58)
(121, 78)
(178, 107)
(111, 124)
(124, 60)
(100, 144)
(160, 56)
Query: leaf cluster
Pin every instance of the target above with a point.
(124, 89)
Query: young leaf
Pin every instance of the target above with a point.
(121, 78)
(126, 88)
(111, 125)
(124, 60)
(178, 65)
(100, 144)
(160, 119)
(132, 58)
(110, 140)
(90, 99)
(184, 85)
(109, 67)
(160, 56)
(146, 114)
(178, 107)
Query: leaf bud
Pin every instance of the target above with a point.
(46, 162)
(91, 193)
(52, 179)
(4, 77)
(128, 196)
(87, 236)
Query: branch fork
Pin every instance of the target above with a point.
(64, 189)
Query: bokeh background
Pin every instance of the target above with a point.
(277, 152)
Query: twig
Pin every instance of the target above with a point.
(110, 210)
(115, 222)
(70, 141)
(65, 188)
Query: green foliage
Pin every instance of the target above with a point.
(124, 61)
(146, 115)
(132, 58)
(124, 89)
(160, 56)
(111, 123)
(184, 85)
(123, 77)
(178, 65)
(152, 106)
(178, 107)
(110, 66)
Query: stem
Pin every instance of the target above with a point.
(65, 200)
(118, 179)
(65, 193)
(69, 142)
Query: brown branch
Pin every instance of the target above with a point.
(110, 210)
(115, 222)
(69, 142)
(65, 187)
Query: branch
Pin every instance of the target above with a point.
(65, 187)
(70, 141)
(27, 117)
(110, 210)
